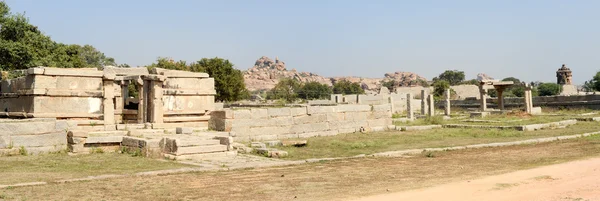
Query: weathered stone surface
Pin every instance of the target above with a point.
(105, 139)
(279, 112)
(259, 113)
(315, 118)
(307, 128)
(242, 114)
(335, 116)
(263, 137)
(536, 110)
(320, 109)
(273, 153)
(353, 108)
(273, 143)
(26, 127)
(258, 145)
(40, 140)
(356, 116)
(184, 130)
(298, 111)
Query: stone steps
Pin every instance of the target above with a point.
(201, 156)
(199, 150)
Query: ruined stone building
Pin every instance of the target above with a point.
(163, 96)
(564, 75)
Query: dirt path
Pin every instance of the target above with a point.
(575, 181)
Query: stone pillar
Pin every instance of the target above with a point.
(447, 105)
(409, 108)
(528, 99)
(155, 101)
(431, 103)
(423, 102)
(391, 102)
(500, 98)
(483, 99)
(358, 101)
(108, 104)
(141, 106)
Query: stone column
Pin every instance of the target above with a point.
(358, 101)
(528, 99)
(447, 105)
(423, 102)
(141, 106)
(108, 104)
(156, 105)
(409, 108)
(483, 99)
(431, 103)
(391, 102)
(500, 98)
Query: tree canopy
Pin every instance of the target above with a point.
(23, 45)
(454, 77)
(549, 89)
(314, 90)
(229, 82)
(593, 84)
(347, 87)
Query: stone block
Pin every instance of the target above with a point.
(347, 130)
(353, 108)
(242, 114)
(5, 141)
(308, 135)
(239, 131)
(103, 140)
(45, 150)
(262, 137)
(27, 127)
(379, 123)
(536, 110)
(296, 143)
(84, 72)
(380, 115)
(307, 128)
(279, 112)
(287, 136)
(271, 130)
(259, 113)
(479, 114)
(258, 145)
(354, 116)
(298, 111)
(315, 118)
(35, 71)
(336, 116)
(320, 109)
(40, 140)
(184, 130)
(382, 108)
(347, 124)
(273, 143)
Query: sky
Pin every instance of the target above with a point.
(527, 39)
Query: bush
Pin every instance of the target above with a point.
(439, 88)
(549, 89)
(287, 89)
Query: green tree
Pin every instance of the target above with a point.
(286, 89)
(166, 63)
(229, 82)
(95, 58)
(454, 77)
(549, 89)
(314, 90)
(347, 87)
(390, 84)
(593, 84)
(471, 82)
(516, 90)
(439, 88)
(23, 45)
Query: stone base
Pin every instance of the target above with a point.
(479, 114)
(536, 110)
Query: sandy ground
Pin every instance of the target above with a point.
(576, 181)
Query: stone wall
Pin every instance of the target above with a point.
(466, 91)
(247, 124)
(586, 101)
(33, 136)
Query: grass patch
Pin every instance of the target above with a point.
(353, 144)
(51, 167)
(435, 120)
(333, 180)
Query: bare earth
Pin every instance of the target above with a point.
(578, 180)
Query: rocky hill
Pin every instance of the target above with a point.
(266, 73)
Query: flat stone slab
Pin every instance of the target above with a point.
(296, 143)
(102, 140)
(184, 130)
(418, 128)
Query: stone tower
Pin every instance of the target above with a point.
(563, 75)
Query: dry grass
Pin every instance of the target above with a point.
(337, 180)
(354, 144)
(51, 167)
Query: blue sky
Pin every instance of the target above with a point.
(525, 39)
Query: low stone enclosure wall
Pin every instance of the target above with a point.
(32, 136)
(577, 101)
(259, 124)
(165, 96)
